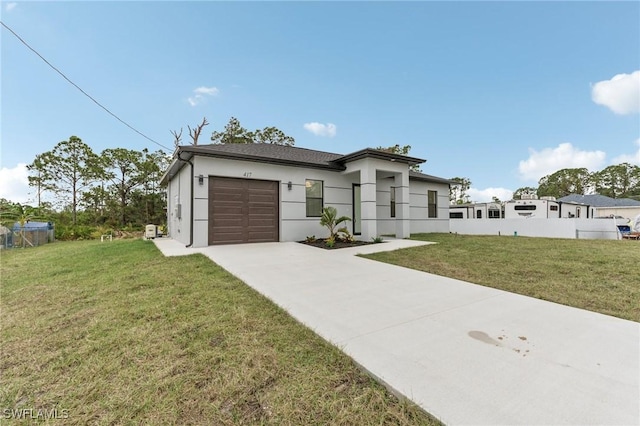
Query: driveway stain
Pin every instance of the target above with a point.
(483, 337)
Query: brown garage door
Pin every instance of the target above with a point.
(242, 211)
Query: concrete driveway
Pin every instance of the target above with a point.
(465, 353)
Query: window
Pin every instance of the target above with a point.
(494, 214)
(525, 207)
(479, 214)
(432, 199)
(455, 215)
(578, 212)
(393, 202)
(553, 208)
(314, 189)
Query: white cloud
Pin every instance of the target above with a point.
(564, 156)
(621, 94)
(320, 129)
(486, 195)
(10, 6)
(200, 93)
(629, 158)
(14, 183)
(211, 91)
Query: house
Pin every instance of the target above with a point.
(242, 193)
(605, 206)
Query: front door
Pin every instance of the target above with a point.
(357, 207)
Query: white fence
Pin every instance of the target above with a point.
(603, 229)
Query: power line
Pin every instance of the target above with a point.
(80, 89)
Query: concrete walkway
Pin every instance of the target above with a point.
(465, 353)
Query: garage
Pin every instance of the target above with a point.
(243, 211)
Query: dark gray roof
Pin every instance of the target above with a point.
(597, 200)
(429, 178)
(289, 155)
(269, 153)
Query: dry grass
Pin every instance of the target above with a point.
(114, 333)
(597, 275)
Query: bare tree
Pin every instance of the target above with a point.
(177, 137)
(195, 132)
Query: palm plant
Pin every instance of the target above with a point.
(21, 214)
(331, 221)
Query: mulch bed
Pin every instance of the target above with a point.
(320, 243)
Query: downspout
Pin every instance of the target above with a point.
(190, 202)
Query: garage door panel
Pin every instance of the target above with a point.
(262, 211)
(264, 222)
(260, 199)
(228, 197)
(224, 222)
(243, 210)
(227, 209)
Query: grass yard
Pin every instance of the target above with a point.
(115, 333)
(597, 275)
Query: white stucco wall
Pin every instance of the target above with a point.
(294, 225)
(420, 222)
(179, 193)
(550, 228)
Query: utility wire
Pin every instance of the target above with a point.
(83, 92)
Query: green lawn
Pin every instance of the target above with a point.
(115, 333)
(598, 275)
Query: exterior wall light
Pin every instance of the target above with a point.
(289, 186)
(200, 180)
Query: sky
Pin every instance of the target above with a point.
(502, 93)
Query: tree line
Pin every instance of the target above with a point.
(615, 181)
(75, 187)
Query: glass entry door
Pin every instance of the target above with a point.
(357, 206)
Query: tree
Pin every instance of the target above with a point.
(235, 133)
(125, 174)
(525, 190)
(401, 150)
(273, 136)
(148, 202)
(177, 137)
(565, 182)
(458, 191)
(39, 177)
(67, 170)
(195, 132)
(618, 181)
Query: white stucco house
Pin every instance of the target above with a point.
(243, 193)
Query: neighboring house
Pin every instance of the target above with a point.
(240, 193)
(605, 206)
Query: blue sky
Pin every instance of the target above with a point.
(500, 92)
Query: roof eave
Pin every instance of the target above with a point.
(381, 155)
